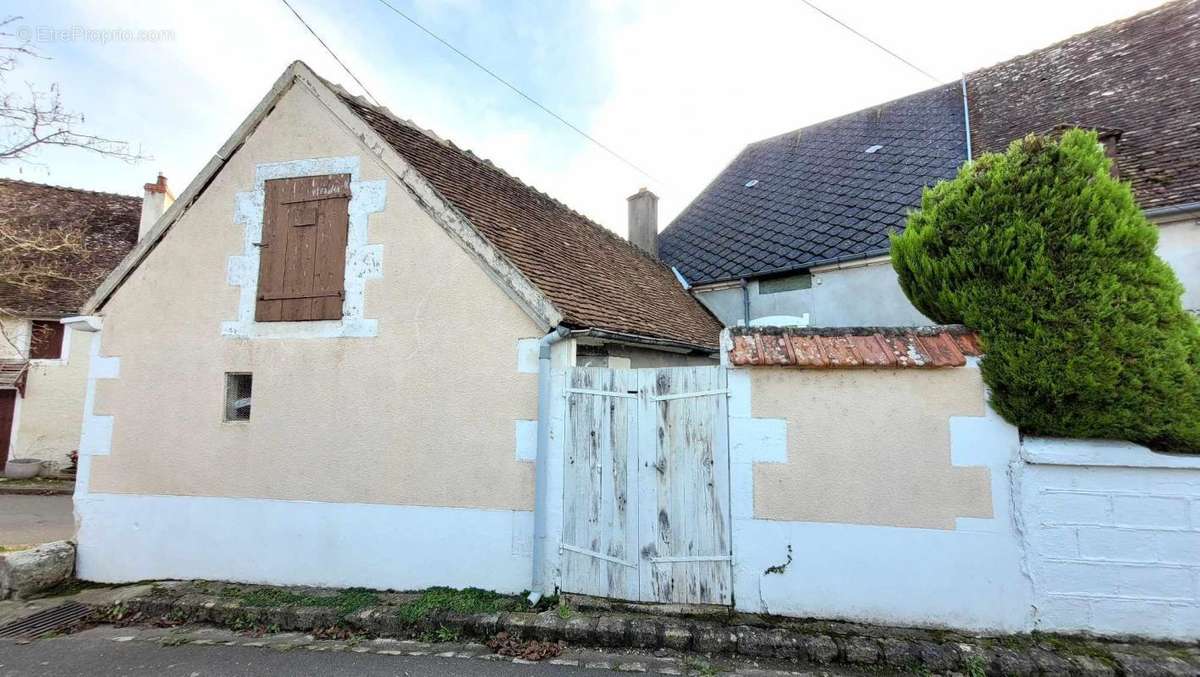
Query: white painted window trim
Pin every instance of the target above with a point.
(363, 261)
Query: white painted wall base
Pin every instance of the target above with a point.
(128, 538)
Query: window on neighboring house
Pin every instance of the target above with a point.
(237, 397)
(46, 340)
(302, 256)
(775, 285)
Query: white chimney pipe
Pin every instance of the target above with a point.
(643, 221)
(156, 199)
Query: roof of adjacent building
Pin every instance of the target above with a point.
(853, 347)
(1139, 75)
(815, 196)
(825, 192)
(107, 225)
(594, 278)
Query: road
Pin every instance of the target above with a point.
(201, 651)
(29, 520)
(66, 656)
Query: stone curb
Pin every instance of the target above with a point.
(972, 657)
(36, 491)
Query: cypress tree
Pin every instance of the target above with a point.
(1050, 259)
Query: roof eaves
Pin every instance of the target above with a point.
(796, 268)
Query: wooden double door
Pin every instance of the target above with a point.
(646, 485)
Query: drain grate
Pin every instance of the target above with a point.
(47, 620)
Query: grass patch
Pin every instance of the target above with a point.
(345, 601)
(1079, 647)
(699, 667)
(467, 601)
(976, 666)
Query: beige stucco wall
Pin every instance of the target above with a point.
(869, 447)
(423, 414)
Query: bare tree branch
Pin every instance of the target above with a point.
(38, 119)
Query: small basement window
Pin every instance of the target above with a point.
(237, 397)
(46, 340)
(775, 285)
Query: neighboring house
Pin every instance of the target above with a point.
(795, 229)
(357, 313)
(44, 364)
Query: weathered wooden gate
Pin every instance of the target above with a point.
(646, 485)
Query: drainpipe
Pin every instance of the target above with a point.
(966, 115)
(746, 301)
(543, 452)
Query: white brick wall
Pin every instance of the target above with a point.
(1112, 535)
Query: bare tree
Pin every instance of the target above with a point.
(42, 256)
(34, 118)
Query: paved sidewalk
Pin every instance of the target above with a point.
(30, 520)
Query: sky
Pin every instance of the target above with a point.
(678, 87)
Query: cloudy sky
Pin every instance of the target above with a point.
(676, 86)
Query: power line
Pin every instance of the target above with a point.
(327, 49)
(520, 93)
(843, 24)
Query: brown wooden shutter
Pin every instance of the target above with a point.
(46, 341)
(302, 261)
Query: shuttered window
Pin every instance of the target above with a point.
(302, 260)
(46, 342)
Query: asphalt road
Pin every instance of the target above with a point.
(29, 520)
(67, 656)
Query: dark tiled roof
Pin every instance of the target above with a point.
(1140, 75)
(819, 195)
(594, 278)
(853, 348)
(108, 225)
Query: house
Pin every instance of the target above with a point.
(45, 364)
(323, 364)
(795, 229)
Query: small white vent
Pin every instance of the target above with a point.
(752, 183)
(874, 148)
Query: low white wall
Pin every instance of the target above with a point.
(1112, 533)
(129, 538)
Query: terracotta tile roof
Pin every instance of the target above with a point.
(853, 347)
(107, 222)
(1139, 75)
(594, 278)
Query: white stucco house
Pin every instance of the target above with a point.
(43, 363)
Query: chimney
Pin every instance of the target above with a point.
(643, 221)
(154, 202)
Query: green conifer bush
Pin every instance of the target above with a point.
(1049, 258)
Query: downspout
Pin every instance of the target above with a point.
(966, 115)
(746, 301)
(543, 452)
